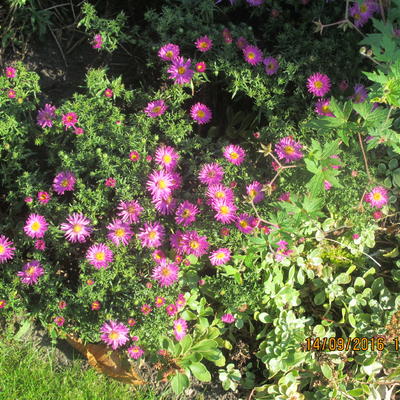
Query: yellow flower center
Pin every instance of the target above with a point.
(69, 118)
(234, 155)
(178, 328)
(220, 255)
(157, 109)
(165, 272)
(167, 158)
(35, 226)
(181, 70)
(270, 66)
(131, 209)
(318, 84)
(113, 335)
(161, 184)
(100, 256)
(363, 8)
(288, 150)
(325, 108)
(169, 54)
(252, 193)
(220, 195)
(30, 271)
(377, 196)
(243, 223)
(224, 210)
(194, 244)
(120, 232)
(203, 45)
(77, 228)
(201, 114)
(2, 249)
(186, 213)
(251, 55)
(64, 183)
(152, 234)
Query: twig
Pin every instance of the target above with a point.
(382, 11)
(364, 156)
(56, 6)
(251, 394)
(59, 46)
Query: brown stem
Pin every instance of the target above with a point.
(364, 156)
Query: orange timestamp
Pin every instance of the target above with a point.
(354, 344)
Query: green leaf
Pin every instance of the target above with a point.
(326, 370)
(186, 343)
(179, 383)
(200, 372)
(205, 345)
(319, 298)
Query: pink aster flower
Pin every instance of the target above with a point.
(201, 66)
(158, 255)
(244, 222)
(119, 232)
(180, 328)
(6, 249)
(203, 43)
(46, 116)
(97, 42)
(160, 184)
(64, 181)
(180, 70)
(211, 174)
(99, 255)
(62, 304)
(3, 303)
(110, 182)
(169, 52)
(200, 113)
(284, 196)
(134, 156)
(254, 190)
(234, 154)
(114, 334)
(252, 54)
(224, 231)
(377, 197)
(79, 131)
(288, 150)
(171, 310)
(11, 72)
(40, 245)
(176, 241)
(220, 256)
(95, 306)
(327, 185)
(146, 309)
(159, 301)
(36, 226)
(194, 244)
(59, 321)
(186, 213)
(165, 206)
(271, 65)
(43, 197)
(225, 211)
(135, 352)
(226, 34)
(241, 42)
(131, 322)
(360, 94)
(176, 180)
(108, 93)
(69, 119)
(152, 234)
(167, 157)
(228, 318)
(165, 273)
(219, 192)
(318, 84)
(377, 215)
(322, 108)
(28, 200)
(31, 272)
(181, 301)
(156, 108)
(130, 211)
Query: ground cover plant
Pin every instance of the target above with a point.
(230, 210)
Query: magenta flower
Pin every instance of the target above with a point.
(6, 249)
(203, 43)
(31, 272)
(200, 113)
(77, 228)
(114, 334)
(119, 232)
(11, 72)
(186, 213)
(322, 108)
(254, 190)
(159, 301)
(318, 84)
(134, 156)
(59, 321)
(165, 273)
(220, 256)
(129, 211)
(180, 328)
(28, 200)
(201, 66)
(64, 181)
(146, 309)
(176, 180)
(36, 226)
(252, 54)
(219, 192)
(11, 94)
(169, 52)
(135, 352)
(234, 154)
(43, 197)
(377, 197)
(271, 65)
(79, 131)
(40, 245)
(181, 301)
(211, 174)
(3, 303)
(244, 222)
(69, 119)
(108, 93)
(152, 234)
(176, 241)
(226, 34)
(180, 70)
(46, 116)
(97, 42)
(156, 108)
(360, 94)
(160, 184)
(288, 150)
(171, 310)
(110, 182)
(99, 255)
(255, 3)
(167, 157)
(165, 206)
(225, 211)
(228, 318)
(327, 185)
(195, 244)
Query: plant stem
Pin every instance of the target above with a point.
(364, 156)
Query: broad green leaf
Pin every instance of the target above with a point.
(200, 372)
(326, 370)
(179, 383)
